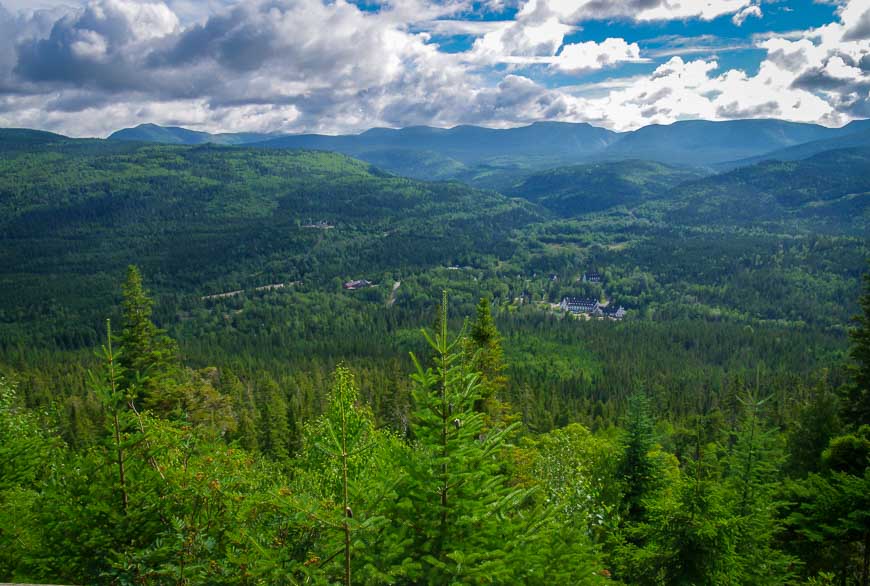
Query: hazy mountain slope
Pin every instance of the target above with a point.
(579, 189)
(438, 153)
(831, 189)
(858, 139)
(466, 144)
(417, 164)
(183, 136)
(703, 143)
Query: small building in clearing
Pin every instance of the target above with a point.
(357, 284)
(614, 312)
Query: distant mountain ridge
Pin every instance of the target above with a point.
(469, 145)
(703, 143)
(184, 136)
(425, 152)
(854, 135)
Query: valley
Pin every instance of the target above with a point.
(270, 263)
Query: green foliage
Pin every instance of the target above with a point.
(225, 458)
(26, 453)
(754, 471)
(638, 470)
(466, 523)
(486, 356)
(456, 498)
(690, 538)
(580, 189)
(824, 187)
(816, 422)
(575, 472)
(828, 524)
(148, 357)
(857, 400)
(348, 473)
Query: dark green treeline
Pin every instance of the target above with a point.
(151, 467)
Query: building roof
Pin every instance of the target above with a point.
(581, 301)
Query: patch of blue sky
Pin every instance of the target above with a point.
(552, 78)
(749, 60)
(792, 15)
(477, 11)
(453, 43)
(689, 38)
(367, 5)
(779, 17)
(481, 11)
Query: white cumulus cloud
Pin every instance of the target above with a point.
(330, 66)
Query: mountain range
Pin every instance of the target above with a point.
(473, 154)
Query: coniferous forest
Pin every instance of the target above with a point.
(154, 471)
(242, 365)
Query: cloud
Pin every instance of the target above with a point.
(734, 110)
(537, 37)
(740, 17)
(463, 27)
(676, 45)
(525, 37)
(588, 56)
(641, 10)
(329, 66)
(860, 28)
(99, 46)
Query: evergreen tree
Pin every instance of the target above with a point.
(754, 475)
(347, 475)
(487, 356)
(484, 351)
(148, 357)
(455, 499)
(817, 421)
(275, 429)
(856, 403)
(114, 401)
(244, 408)
(464, 522)
(639, 468)
(828, 522)
(690, 538)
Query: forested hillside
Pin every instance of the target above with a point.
(830, 189)
(266, 409)
(211, 220)
(580, 189)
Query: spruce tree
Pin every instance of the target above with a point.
(148, 357)
(346, 474)
(754, 475)
(114, 401)
(274, 423)
(456, 502)
(856, 403)
(485, 354)
(638, 469)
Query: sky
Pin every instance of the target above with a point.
(89, 67)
